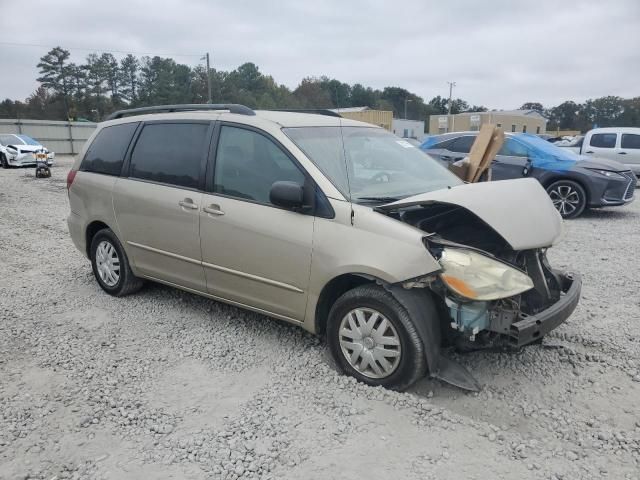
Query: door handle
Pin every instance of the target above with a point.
(589, 151)
(213, 209)
(622, 153)
(188, 203)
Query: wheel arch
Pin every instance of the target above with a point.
(91, 230)
(556, 177)
(334, 289)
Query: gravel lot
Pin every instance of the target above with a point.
(165, 384)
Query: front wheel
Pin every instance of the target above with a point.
(568, 197)
(3, 161)
(373, 338)
(111, 265)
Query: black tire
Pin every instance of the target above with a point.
(3, 161)
(127, 282)
(412, 364)
(555, 191)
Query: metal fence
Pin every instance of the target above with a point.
(59, 137)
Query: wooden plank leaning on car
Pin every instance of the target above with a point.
(483, 151)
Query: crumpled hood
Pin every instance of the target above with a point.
(520, 211)
(30, 148)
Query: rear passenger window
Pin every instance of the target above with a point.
(511, 148)
(463, 144)
(630, 140)
(248, 164)
(442, 145)
(603, 140)
(170, 153)
(107, 151)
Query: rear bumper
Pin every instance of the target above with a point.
(75, 224)
(534, 327)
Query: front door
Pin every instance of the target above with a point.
(157, 206)
(629, 152)
(510, 161)
(254, 253)
(603, 145)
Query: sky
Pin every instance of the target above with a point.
(500, 53)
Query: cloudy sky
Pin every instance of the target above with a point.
(500, 53)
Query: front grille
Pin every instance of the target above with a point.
(628, 193)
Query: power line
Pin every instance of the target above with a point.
(15, 44)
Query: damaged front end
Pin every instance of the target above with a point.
(499, 319)
(497, 288)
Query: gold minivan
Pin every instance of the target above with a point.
(328, 223)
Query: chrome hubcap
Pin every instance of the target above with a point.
(108, 263)
(565, 199)
(370, 343)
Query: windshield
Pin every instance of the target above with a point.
(28, 140)
(10, 140)
(372, 165)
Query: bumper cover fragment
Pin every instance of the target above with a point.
(534, 327)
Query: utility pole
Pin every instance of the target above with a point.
(210, 100)
(451, 85)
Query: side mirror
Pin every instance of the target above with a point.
(288, 195)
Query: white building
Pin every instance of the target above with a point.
(408, 128)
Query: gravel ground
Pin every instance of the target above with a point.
(165, 384)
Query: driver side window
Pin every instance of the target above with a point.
(248, 164)
(512, 148)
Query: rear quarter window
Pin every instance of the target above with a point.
(603, 140)
(462, 144)
(107, 151)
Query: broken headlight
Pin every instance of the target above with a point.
(478, 277)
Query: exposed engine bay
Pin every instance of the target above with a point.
(478, 324)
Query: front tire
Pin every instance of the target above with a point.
(568, 197)
(3, 161)
(372, 337)
(111, 266)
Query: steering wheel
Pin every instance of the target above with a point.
(382, 177)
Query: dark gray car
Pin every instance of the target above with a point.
(574, 182)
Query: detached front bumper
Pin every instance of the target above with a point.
(534, 327)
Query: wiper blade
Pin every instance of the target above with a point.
(378, 199)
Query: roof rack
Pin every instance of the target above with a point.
(189, 107)
(317, 111)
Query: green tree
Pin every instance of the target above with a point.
(310, 94)
(129, 72)
(112, 76)
(532, 106)
(564, 116)
(55, 73)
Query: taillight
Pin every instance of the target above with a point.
(70, 177)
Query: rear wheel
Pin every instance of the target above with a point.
(372, 338)
(111, 265)
(568, 197)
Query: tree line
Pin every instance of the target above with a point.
(103, 84)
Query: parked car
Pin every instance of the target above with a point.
(573, 182)
(331, 224)
(19, 150)
(573, 144)
(615, 143)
